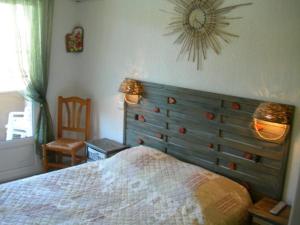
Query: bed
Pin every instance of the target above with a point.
(138, 186)
(194, 160)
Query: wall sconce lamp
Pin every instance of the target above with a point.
(272, 122)
(132, 89)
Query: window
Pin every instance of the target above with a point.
(15, 111)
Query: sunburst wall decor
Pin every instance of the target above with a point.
(201, 26)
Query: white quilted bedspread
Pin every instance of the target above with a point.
(135, 187)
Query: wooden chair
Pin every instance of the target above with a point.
(70, 119)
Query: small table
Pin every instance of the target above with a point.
(261, 215)
(102, 148)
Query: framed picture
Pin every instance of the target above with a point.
(74, 40)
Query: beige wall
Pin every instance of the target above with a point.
(124, 37)
(9, 102)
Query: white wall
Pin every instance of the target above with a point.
(295, 214)
(63, 77)
(125, 38)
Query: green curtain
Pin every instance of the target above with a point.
(40, 15)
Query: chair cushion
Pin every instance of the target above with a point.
(65, 144)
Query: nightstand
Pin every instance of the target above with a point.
(261, 216)
(102, 148)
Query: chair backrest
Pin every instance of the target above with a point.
(74, 116)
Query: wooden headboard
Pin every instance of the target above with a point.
(211, 130)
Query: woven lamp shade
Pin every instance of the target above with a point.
(273, 112)
(131, 87)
